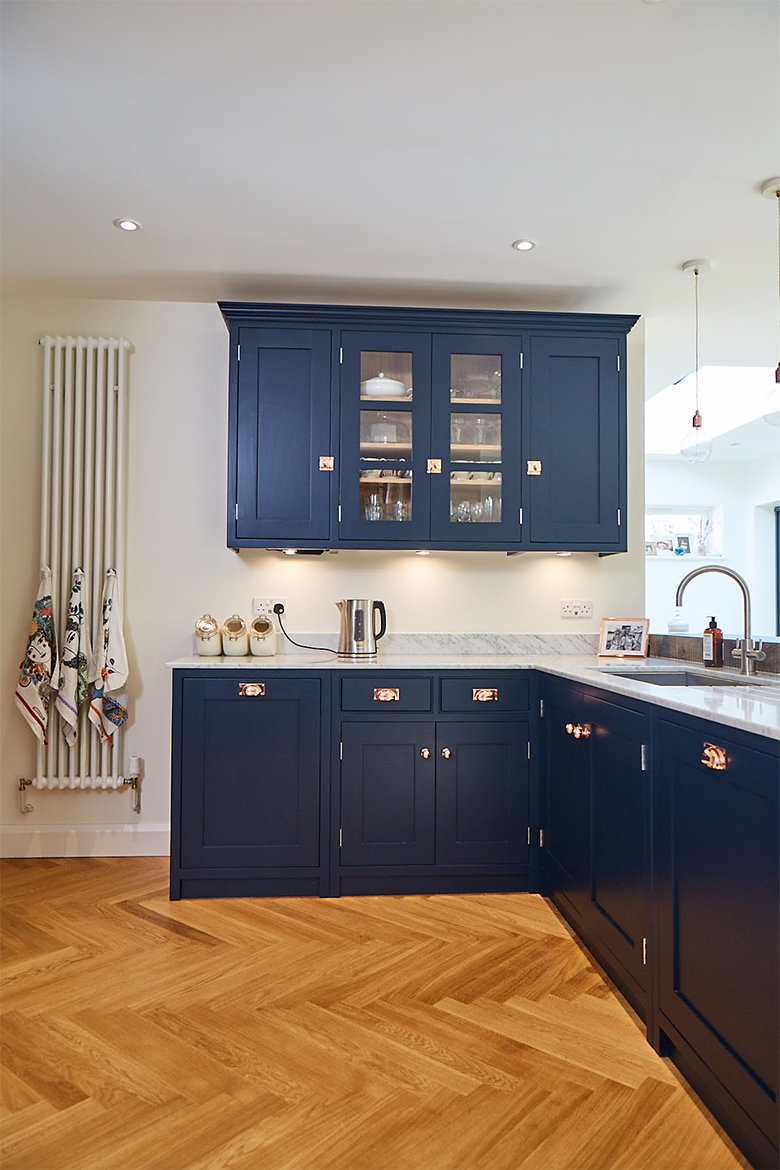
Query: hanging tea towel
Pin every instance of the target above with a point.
(33, 691)
(73, 676)
(110, 666)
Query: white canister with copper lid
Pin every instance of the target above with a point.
(208, 637)
(262, 636)
(235, 637)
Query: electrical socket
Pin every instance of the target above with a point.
(265, 605)
(576, 609)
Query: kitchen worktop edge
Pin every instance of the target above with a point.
(755, 709)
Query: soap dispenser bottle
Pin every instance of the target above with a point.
(712, 647)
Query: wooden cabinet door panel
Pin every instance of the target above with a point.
(566, 811)
(387, 793)
(619, 838)
(572, 427)
(283, 427)
(250, 774)
(482, 794)
(718, 911)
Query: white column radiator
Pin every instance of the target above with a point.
(83, 523)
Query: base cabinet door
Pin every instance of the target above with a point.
(566, 800)
(482, 793)
(717, 833)
(249, 781)
(619, 888)
(596, 833)
(387, 793)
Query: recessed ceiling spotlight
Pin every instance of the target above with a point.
(127, 225)
(523, 245)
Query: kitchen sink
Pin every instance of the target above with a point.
(686, 678)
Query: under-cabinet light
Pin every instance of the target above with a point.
(423, 552)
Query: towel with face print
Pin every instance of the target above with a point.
(34, 689)
(73, 675)
(110, 666)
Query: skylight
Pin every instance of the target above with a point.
(729, 397)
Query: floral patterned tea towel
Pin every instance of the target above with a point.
(33, 691)
(110, 666)
(73, 676)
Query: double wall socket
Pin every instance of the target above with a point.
(265, 605)
(575, 609)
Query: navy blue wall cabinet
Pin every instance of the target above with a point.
(438, 429)
(717, 890)
(596, 820)
(574, 443)
(248, 807)
(280, 428)
(435, 783)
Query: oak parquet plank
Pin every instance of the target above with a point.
(401, 1033)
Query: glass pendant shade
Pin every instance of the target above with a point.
(695, 446)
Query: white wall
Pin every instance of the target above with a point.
(747, 491)
(178, 566)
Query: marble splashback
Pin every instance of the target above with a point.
(444, 643)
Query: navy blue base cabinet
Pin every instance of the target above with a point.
(434, 791)
(249, 809)
(718, 909)
(596, 818)
(364, 427)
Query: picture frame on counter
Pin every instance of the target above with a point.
(682, 545)
(624, 637)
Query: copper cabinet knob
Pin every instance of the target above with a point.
(446, 753)
(425, 753)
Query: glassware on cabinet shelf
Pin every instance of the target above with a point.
(385, 494)
(475, 377)
(475, 438)
(386, 434)
(475, 497)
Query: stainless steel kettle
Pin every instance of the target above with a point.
(358, 636)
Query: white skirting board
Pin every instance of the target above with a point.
(86, 841)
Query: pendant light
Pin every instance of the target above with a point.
(696, 447)
(770, 407)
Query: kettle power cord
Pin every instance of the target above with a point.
(279, 610)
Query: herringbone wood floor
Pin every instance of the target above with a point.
(416, 1032)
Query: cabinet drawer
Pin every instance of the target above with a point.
(380, 693)
(483, 693)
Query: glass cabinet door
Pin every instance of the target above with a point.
(476, 426)
(385, 436)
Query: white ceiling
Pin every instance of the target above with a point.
(389, 151)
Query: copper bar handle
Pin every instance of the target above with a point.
(446, 753)
(327, 463)
(386, 694)
(484, 694)
(434, 467)
(533, 467)
(251, 690)
(714, 757)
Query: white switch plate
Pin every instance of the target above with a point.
(576, 609)
(265, 605)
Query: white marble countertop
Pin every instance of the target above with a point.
(754, 708)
